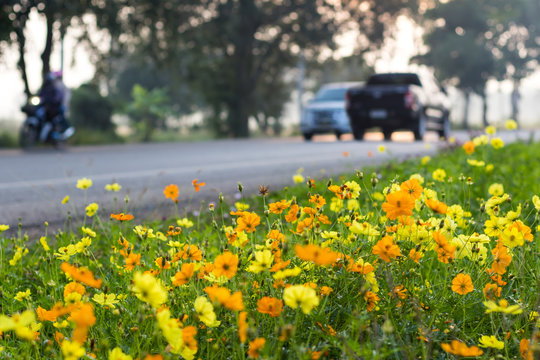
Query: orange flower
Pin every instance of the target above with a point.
(255, 346)
(162, 263)
(412, 187)
(437, 206)
(132, 260)
(326, 290)
(292, 215)
(82, 275)
(317, 254)
(278, 207)
(456, 347)
(74, 287)
(501, 258)
(247, 222)
(122, 217)
(400, 292)
(191, 252)
(307, 223)
(198, 186)
(318, 200)
(492, 291)
(242, 326)
(153, 357)
(83, 317)
(415, 255)
(525, 349)
(223, 296)
(337, 190)
(386, 249)
(226, 264)
(171, 192)
(371, 300)
(184, 275)
(398, 203)
(51, 315)
(468, 146)
(462, 284)
(188, 336)
(269, 305)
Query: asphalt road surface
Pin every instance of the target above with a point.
(32, 184)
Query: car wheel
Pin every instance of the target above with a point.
(307, 136)
(420, 128)
(358, 133)
(339, 135)
(445, 127)
(387, 134)
(28, 136)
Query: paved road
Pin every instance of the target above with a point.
(32, 184)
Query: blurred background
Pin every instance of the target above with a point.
(167, 70)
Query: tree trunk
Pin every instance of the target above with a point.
(46, 54)
(515, 100)
(21, 64)
(467, 95)
(484, 109)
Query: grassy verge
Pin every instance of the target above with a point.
(431, 258)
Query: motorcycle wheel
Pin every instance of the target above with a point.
(28, 136)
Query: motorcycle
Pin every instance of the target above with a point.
(37, 128)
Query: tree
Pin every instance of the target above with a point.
(457, 49)
(148, 109)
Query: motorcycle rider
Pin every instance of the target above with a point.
(53, 98)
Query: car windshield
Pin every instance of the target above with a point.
(332, 94)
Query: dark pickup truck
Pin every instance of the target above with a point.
(398, 101)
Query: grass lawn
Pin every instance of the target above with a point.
(431, 258)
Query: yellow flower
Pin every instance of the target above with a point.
(106, 299)
(497, 143)
(84, 183)
(298, 178)
(425, 160)
(510, 124)
(489, 167)
(23, 295)
(115, 187)
(72, 350)
(480, 140)
(263, 260)
(502, 307)
(185, 222)
(352, 190)
(118, 354)
(512, 237)
(205, 311)
(536, 202)
(19, 253)
(474, 162)
(496, 189)
(439, 175)
(3, 227)
(490, 341)
(91, 209)
(240, 206)
(72, 298)
(65, 252)
(65, 200)
(88, 231)
(299, 295)
(490, 130)
(381, 148)
(149, 289)
(143, 231)
(282, 274)
(21, 323)
(43, 242)
(82, 245)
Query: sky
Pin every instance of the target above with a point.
(396, 58)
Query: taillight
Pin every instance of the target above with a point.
(347, 100)
(410, 100)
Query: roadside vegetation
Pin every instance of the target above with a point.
(429, 258)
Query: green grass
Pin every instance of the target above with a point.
(340, 324)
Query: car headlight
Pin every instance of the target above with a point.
(307, 117)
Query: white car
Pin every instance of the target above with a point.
(326, 112)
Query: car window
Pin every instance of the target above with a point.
(333, 94)
(394, 79)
